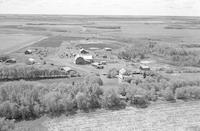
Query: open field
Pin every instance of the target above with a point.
(157, 117)
(14, 42)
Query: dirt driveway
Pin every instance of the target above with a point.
(181, 116)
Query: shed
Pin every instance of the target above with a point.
(31, 61)
(122, 71)
(144, 68)
(11, 61)
(107, 49)
(83, 51)
(27, 52)
(66, 69)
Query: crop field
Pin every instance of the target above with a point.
(11, 42)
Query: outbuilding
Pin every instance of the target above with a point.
(83, 51)
(27, 52)
(107, 49)
(144, 68)
(11, 61)
(31, 61)
(66, 69)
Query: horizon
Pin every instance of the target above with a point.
(103, 7)
(127, 16)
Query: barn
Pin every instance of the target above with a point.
(79, 60)
(83, 59)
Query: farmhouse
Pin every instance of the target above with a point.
(123, 75)
(83, 59)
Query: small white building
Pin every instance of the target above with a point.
(122, 75)
(31, 61)
(144, 68)
(66, 69)
(107, 49)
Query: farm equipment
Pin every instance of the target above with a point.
(97, 65)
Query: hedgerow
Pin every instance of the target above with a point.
(28, 72)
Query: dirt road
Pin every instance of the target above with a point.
(182, 116)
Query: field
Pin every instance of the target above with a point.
(157, 117)
(13, 42)
(163, 117)
(168, 45)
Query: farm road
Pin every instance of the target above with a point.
(181, 116)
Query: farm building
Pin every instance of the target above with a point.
(107, 49)
(123, 75)
(31, 61)
(144, 68)
(83, 51)
(11, 61)
(27, 52)
(83, 59)
(136, 71)
(66, 69)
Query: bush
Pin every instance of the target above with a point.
(4, 57)
(83, 103)
(189, 92)
(111, 100)
(168, 94)
(123, 89)
(140, 101)
(21, 100)
(53, 103)
(112, 73)
(92, 79)
(6, 125)
(135, 90)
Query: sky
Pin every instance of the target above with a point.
(102, 7)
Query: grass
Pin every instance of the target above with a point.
(13, 41)
(166, 116)
(54, 41)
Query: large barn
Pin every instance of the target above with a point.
(83, 59)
